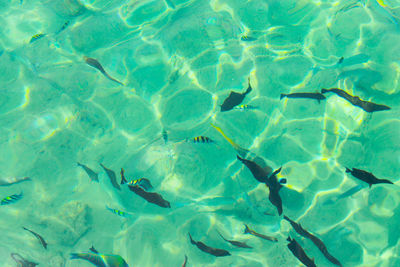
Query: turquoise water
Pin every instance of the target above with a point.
(177, 61)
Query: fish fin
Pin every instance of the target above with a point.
(93, 249)
(191, 239)
(248, 88)
(282, 96)
(74, 256)
(348, 170)
(239, 158)
(370, 185)
(286, 218)
(246, 229)
(123, 179)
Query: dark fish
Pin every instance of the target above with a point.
(95, 64)
(39, 237)
(217, 252)
(367, 177)
(184, 263)
(11, 199)
(37, 37)
(142, 182)
(234, 99)
(21, 261)
(151, 197)
(202, 139)
(64, 26)
(274, 186)
(318, 242)
(235, 243)
(101, 260)
(111, 175)
(299, 253)
(165, 136)
(258, 172)
(247, 38)
(316, 96)
(92, 175)
(13, 180)
(247, 230)
(340, 61)
(92, 249)
(356, 101)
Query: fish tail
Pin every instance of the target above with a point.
(191, 239)
(286, 218)
(283, 95)
(123, 179)
(248, 88)
(247, 229)
(221, 235)
(348, 170)
(385, 181)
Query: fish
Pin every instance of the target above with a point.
(37, 37)
(143, 182)
(13, 180)
(151, 197)
(259, 173)
(353, 60)
(367, 177)
(240, 150)
(234, 99)
(165, 136)
(63, 27)
(21, 261)
(299, 253)
(119, 212)
(318, 242)
(247, 230)
(95, 64)
(245, 107)
(100, 260)
(39, 237)
(247, 38)
(185, 261)
(316, 96)
(217, 252)
(11, 199)
(92, 249)
(92, 175)
(235, 243)
(111, 175)
(348, 193)
(356, 101)
(202, 139)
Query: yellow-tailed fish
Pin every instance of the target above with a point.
(37, 37)
(242, 151)
(101, 260)
(11, 199)
(119, 212)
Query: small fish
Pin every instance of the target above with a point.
(340, 61)
(21, 261)
(202, 139)
(367, 177)
(184, 263)
(64, 26)
(119, 212)
(143, 182)
(235, 243)
(165, 136)
(353, 60)
(356, 101)
(217, 252)
(234, 99)
(318, 242)
(101, 260)
(92, 249)
(39, 237)
(151, 197)
(247, 230)
(240, 150)
(247, 38)
(13, 180)
(316, 96)
(11, 199)
(299, 253)
(92, 175)
(37, 37)
(111, 175)
(245, 107)
(95, 64)
(346, 194)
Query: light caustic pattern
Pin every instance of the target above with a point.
(178, 61)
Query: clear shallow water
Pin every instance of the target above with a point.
(178, 61)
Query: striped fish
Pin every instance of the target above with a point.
(247, 38)
(245, 107)
(101, 260)
(37, 37)
(119, 212)
(202, 139)
(143, 182)
(11, 199)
